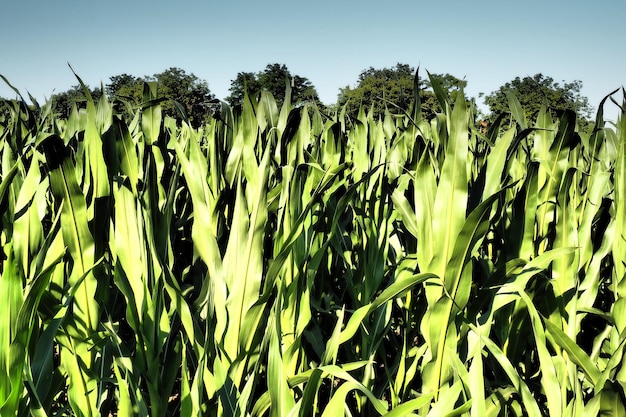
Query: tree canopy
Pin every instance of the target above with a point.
(63, 103)
(174, 83)
(533, 91)
(187, 89)
(125, 86)
(4, 109)
(273, 79)
(377, 88)
(192, 93)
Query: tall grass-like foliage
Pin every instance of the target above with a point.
(280, 262)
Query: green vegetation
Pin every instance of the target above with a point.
(63, 103)
(273, 262)
(533, 92)
(272, 79)
(391, 89)
(376, 90)
(182, 95)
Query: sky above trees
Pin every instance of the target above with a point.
(486, 43)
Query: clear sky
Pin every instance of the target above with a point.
(330, 42)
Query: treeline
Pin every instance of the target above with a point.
(376, 90)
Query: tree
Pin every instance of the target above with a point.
(4, 110)
(175, 84)
(124, 90)
(273, 79)
(532, 92)
(392, 88)
(245, 81)
(377, 86)
(188, 90)
(124, 86)
(63, 103)
(449, 84)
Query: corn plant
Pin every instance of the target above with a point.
(282, 262)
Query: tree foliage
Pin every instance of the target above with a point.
(124, 86)
(534, 91)
(245, 81)
(186, 89)
(192, 93)
(392, 88)
(125, 90)
(450, 85)
(4, 109)
(273, 79)
(64, 102)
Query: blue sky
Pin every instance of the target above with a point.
(330, 42)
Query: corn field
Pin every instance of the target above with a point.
(283, 262)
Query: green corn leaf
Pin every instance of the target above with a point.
(74, 226)
(619, 242)
(476, 380)
(203, 234)
(395, 290)
(244, 255)
(12, 337)
(549, 380)
(407, 214)
(280, 394)
(470, 236)
(521, 242)
(607, 403)
(451, 198)
(28, 229)
(576, 354)
(124, 407)
(497, 400)
(425, 187)
(448, 397)
(308, 405)
(127, 153)
(337, 403)
(516, 109)
(151, 116)
(406, 408)
(332, 346)
(96, 164)
(360, 154)
(530, 404)
(565, 268)
(554, 165)
(440, 93)
(456, 283)
(6, 184)
(598, 184)
(129, 245)
(496, 161)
